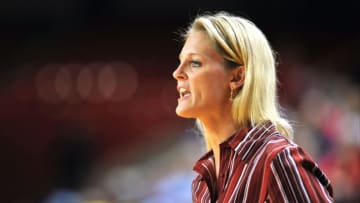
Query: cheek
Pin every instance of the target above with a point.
(218, 85)
(218, 92)
(210, 85)
(211, 91)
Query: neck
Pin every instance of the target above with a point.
(216, 131)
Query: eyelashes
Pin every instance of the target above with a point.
(195, 63)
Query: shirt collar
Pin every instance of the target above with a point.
(232, 141)
(243, 135)
(248, 132)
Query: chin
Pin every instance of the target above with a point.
(183, 113)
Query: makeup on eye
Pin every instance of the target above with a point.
(195, 63)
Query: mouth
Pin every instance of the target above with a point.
(184, 93)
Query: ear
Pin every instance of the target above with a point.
(237, 77)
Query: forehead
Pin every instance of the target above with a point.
(199, 43)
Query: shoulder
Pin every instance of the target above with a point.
(289, 156)
(277, 149)
(262, 141)
(277, 144)
(292, 153)
(293, 166)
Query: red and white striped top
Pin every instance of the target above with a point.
(260, 165)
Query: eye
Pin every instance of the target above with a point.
(195, 63)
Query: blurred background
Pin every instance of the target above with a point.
(87, 99)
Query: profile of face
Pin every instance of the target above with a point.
(203, 82)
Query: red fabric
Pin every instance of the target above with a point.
(260, 165)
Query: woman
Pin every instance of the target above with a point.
(227, 81)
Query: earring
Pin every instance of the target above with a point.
(231, 94)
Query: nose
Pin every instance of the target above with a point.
(179, 73)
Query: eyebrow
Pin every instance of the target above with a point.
(191, 54)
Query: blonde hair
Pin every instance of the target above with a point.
(241, 42)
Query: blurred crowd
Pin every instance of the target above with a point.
(326, 119)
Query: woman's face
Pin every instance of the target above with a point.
(202, 80)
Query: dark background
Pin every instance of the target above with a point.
(41, 137)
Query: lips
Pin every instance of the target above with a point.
(183, 92)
